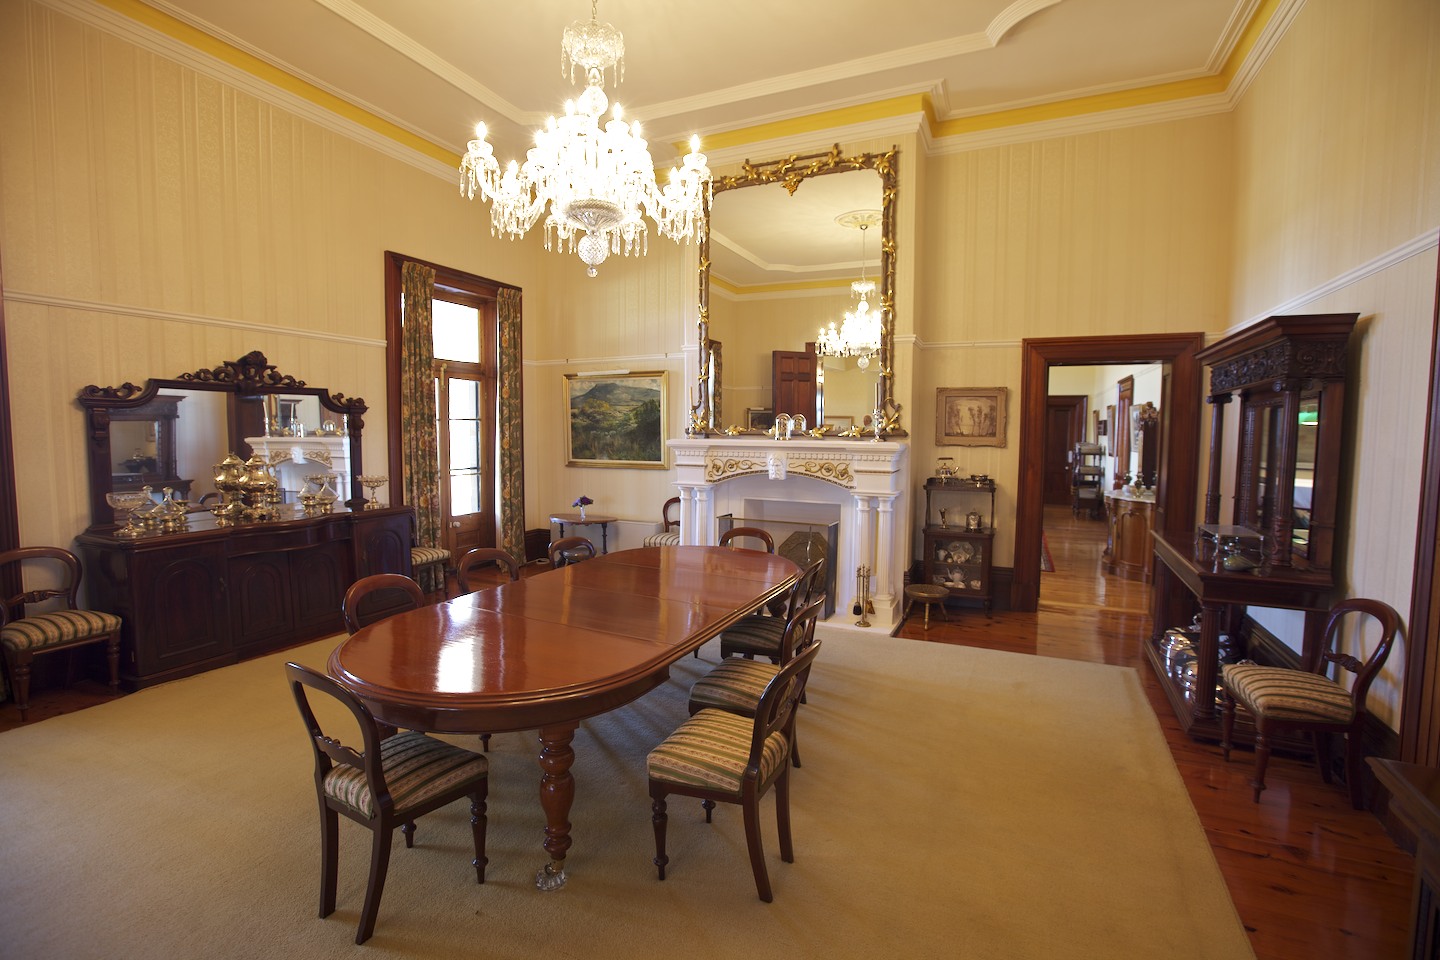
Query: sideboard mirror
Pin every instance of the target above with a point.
(171, 432)
(1288, 374)
(788, 227)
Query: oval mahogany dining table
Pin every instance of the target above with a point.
(546, 651)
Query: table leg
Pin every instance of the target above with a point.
(604, 538)
(557, 792)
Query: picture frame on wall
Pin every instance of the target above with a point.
(970, 416)
(616, 420)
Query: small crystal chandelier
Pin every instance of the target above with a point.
(859, 335)
(594, 180)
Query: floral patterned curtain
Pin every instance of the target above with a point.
(421, 483)
(509, 427)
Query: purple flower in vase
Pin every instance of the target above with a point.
(582, 502)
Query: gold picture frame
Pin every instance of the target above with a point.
(616, 419)
(970, 416)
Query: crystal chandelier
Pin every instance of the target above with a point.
(595, 180)
(859, 334)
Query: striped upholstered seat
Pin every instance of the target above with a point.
(735, 685)
(1282, 693)
(669, 535)
(424, 556)
(45, 630)
(417, 770)
(710, 750)
(757, 635)
(671, 539)
(430, 566)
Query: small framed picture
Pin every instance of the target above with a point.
(970, 416)
(759, 418)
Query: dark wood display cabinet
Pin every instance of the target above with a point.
(959, 549)
(213, 595)
(1288, 376)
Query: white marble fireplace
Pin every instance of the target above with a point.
(869, 482)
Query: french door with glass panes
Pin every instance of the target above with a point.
(465, 404)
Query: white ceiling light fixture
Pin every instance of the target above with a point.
(596, 181)
(859, 335)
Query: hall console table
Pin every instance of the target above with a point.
(1129, 520)
(213, 595)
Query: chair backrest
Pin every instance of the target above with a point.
(57, 558)
(776, 710)
(805, 589)
(479, 557)
(378, 596)
(735, 533)
(1365, 673)
(799, 631)
(329, 750)
(569, 550)
(672, 506)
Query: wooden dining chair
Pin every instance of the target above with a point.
(669, 535)
(1279, 698)
(723, 757)
(568, 550)
(378, 596)
(736, 684)
(759, 634)
(47, 619)
(390, 782)
(479, 557)
(751, 533)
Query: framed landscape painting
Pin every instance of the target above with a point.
(615, 420)
(970, 416)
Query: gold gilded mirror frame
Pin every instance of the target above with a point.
(791, 172)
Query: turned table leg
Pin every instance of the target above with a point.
(557, 793)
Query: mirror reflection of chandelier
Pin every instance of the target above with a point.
(859, 334)
(594, 180)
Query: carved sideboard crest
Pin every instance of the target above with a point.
(1321, 360)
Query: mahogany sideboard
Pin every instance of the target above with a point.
(213, 595)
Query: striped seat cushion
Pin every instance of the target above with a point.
(671, 539)
(1288, 694)
(57, 628)
(421, 556)
(710, 751)
(755, 634)
(735, 685)
(416, 768)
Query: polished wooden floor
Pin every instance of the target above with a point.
(1310, 876)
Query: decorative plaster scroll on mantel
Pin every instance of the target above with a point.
(777, 466)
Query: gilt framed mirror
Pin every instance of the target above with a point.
(786, 242)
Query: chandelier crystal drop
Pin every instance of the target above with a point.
(859, 335)
(597, 181)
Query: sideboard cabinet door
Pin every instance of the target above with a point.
(172, 606)
(382, 544)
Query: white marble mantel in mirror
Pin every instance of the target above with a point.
(866, 481)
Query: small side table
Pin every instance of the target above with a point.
(590, 519)
(928, 595)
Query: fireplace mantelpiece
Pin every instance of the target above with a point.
(869, 481)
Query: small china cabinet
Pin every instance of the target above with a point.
(959, 547)
(1286, 375)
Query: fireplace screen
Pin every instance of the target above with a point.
(801, 541)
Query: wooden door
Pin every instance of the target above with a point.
(1120, 430)
(1064, 427)
(792, 374)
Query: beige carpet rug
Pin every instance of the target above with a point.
(954, 803)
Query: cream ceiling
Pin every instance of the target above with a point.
(436, 67)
